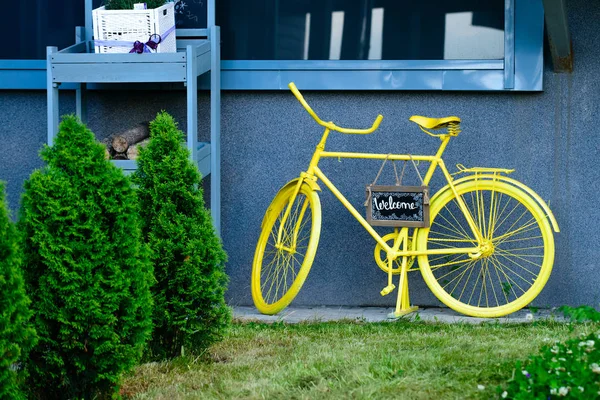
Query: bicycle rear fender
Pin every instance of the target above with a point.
(511, 181)
(313, 185)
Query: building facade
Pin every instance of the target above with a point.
(544, 129)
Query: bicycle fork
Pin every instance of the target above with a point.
(291, 248)
(303, 176)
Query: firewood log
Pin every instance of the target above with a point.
(134, 151)
(108, 149)
(122, 141)
(120, 156)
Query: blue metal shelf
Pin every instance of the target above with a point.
(195, 56)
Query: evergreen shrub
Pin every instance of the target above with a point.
(189, 306)
(16, 333)
(86, 269)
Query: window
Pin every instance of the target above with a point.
(43, 23)
(34, 25)
(382, 44)
(362, 30)
(326, 44)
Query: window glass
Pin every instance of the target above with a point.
(35, 24)
(361, 29)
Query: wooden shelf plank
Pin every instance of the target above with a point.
(115, 73)
(117, 58)
(203, 154)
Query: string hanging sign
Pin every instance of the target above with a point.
(398, 205)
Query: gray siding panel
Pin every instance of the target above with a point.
(550, 139)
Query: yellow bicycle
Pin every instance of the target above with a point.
(487, 252)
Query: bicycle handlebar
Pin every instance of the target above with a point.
(331, 125)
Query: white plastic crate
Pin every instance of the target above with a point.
(115, 31)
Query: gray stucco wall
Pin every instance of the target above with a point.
(550, 138)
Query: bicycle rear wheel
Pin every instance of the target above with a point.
(281, 267)
(516, 257)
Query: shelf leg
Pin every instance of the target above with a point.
(52, 96)
(81, 102)
(192, 103)
(215, 127)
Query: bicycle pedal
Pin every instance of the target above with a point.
(387, 290)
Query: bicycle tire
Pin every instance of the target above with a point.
(273, 267)
(508, 271)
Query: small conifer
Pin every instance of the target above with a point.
(86, 269)
(16, 333)
(189, 306)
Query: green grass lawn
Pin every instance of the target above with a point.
(408, 360)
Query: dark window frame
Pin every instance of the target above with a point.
(520, 70)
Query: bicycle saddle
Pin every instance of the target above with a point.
(433, 123)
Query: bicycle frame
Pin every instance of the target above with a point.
(478, 244)
(313, 173)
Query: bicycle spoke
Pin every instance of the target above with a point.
(481, 212)
(283, 280)
(450, 228)
(520, 266)
(483, 288)
(509, 214)
(465, 268)
(447, 264)
(294, 270)
(474, 210)
(474, 286)
(531, 226)
(271, 265)
(499, 215)
(271, 275)
(282, 277)
(522, 239)
(502, 268)
(499, 279)
(443, 256)
(492, 216)
(455, 238)
(459, 276)
(471, 269)
(444, 244)
(274, 231)
(526, 248)
(521, 228)
(521, 257)
(492, 283)
(460, 230)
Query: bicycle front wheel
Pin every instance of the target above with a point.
(283, 257)
(516, 255)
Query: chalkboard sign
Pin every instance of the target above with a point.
(398, 206)
(190, 14)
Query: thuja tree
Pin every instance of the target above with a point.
(86, 269)
(189, 307)
(16, 333)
